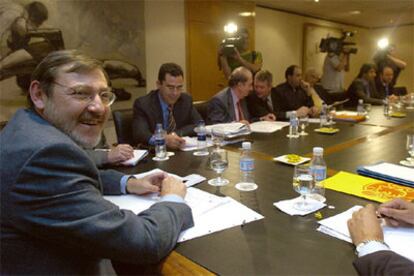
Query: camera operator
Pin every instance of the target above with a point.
(334, 68)
(386, 57)
(239, 56)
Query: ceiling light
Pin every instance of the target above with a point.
(247, 14)
(316, 1)
(230, 28)
(383, 43)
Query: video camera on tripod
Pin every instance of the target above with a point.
(337, 45)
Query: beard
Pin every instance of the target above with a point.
(68, 125)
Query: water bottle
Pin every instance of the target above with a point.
(318, 169)
(201, 139)
(160, 147)
(386, 108)
(293, 126)
(246, 164)
(360, 107)
(324, 115)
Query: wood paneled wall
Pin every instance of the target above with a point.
(205, 22)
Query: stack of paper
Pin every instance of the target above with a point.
(267, 127)
(211, 213)
(192, 144)
(400, 240)
(138, 155)
(389, 172)
(230, 130)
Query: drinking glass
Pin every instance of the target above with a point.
(219, 163)
(303, 183)
(331, 116)
(409, 101)
(410, 147)
(304, 122)
(217, 136)
(367, 108)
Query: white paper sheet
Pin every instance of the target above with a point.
(400, 240)
(392, 170)
(267, 127)
(231, 130)
(191, 143)
(138, 155)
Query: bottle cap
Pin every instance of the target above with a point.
(246, 145)
(360, 101)
(317, 150)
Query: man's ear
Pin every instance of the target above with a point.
(37, 95)
(159, 84)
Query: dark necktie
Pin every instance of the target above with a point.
(239, 109)
(269, 104)
(171, 120)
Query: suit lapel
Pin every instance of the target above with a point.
(230, 105)
(156, 108)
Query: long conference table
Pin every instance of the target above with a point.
(281, 244)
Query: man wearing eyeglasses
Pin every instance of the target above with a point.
(169, 106)
(54, 219)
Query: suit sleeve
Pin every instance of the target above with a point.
(140, 127)
(57, 198)
(361, 94)
(216, 112)
(384, 263)
(279, 107)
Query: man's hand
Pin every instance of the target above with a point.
(174, 141)
(393, 98)
(305, 85)
(148, 184)
(120, 153)
(398, 212)
(302, 111)
(314, 111)
(364, 225)
(269, 117)
(236, 55)
(172, 185)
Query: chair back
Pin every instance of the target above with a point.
(201, 107)
(123, 125)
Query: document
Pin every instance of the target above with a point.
(267, 127)
(138, 155)
(191, 143)
(230, 130)
(389, 172)
(399, 239)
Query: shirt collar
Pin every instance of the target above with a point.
(164, 105)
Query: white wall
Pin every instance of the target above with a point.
(165, 36)
(279, 36)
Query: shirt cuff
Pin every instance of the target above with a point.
(371, 247)
(173, 198)
(151, 141)
(123, 183)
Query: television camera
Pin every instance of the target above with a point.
(230, 43)
(337, 45)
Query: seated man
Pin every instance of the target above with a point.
(54, 219)
(383, 83)
(169, 106)
(374, 256)
(229, 104)
(260, 103)
(363, 87)
(293, 95)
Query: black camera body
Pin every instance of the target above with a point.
(337, 45)
(230, 43)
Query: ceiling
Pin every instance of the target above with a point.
(363, 13)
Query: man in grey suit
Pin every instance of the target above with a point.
(54, 219)
(169, 106)
(229, 104)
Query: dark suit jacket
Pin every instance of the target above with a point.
(384, 263)
(221, 108)
(287, 99)
(259, 108)
(357, 90)
(54, 219)
(148, 113)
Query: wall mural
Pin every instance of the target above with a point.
(106, 30)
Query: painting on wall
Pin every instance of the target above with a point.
(105, 30)
(312, 56)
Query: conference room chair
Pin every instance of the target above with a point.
(123, 125)
(201, 107)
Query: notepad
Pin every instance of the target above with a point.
(138, 155)
(389, 172)
(267, 126)
(400, 240)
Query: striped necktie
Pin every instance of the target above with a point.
(171, 121)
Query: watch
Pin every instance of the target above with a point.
(360, 245)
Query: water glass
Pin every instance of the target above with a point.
(303, 183)
(303, 122)
(219, 163)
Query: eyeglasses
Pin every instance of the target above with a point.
(86, 95)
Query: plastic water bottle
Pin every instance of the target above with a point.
(318, 168)
(386, 108)
(160, 147)
(201, 139)
(360, 107)
(324, 115)
(294, 126)
(246, 164)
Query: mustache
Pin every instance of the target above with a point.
(87, 116)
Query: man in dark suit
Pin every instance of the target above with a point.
(374, 256)
(293, 95)
(229, 104)
(54, 219)
(169, 106)
(261, 101)
(384, 84)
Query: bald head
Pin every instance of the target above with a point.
(241, 80)
(312, 76)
